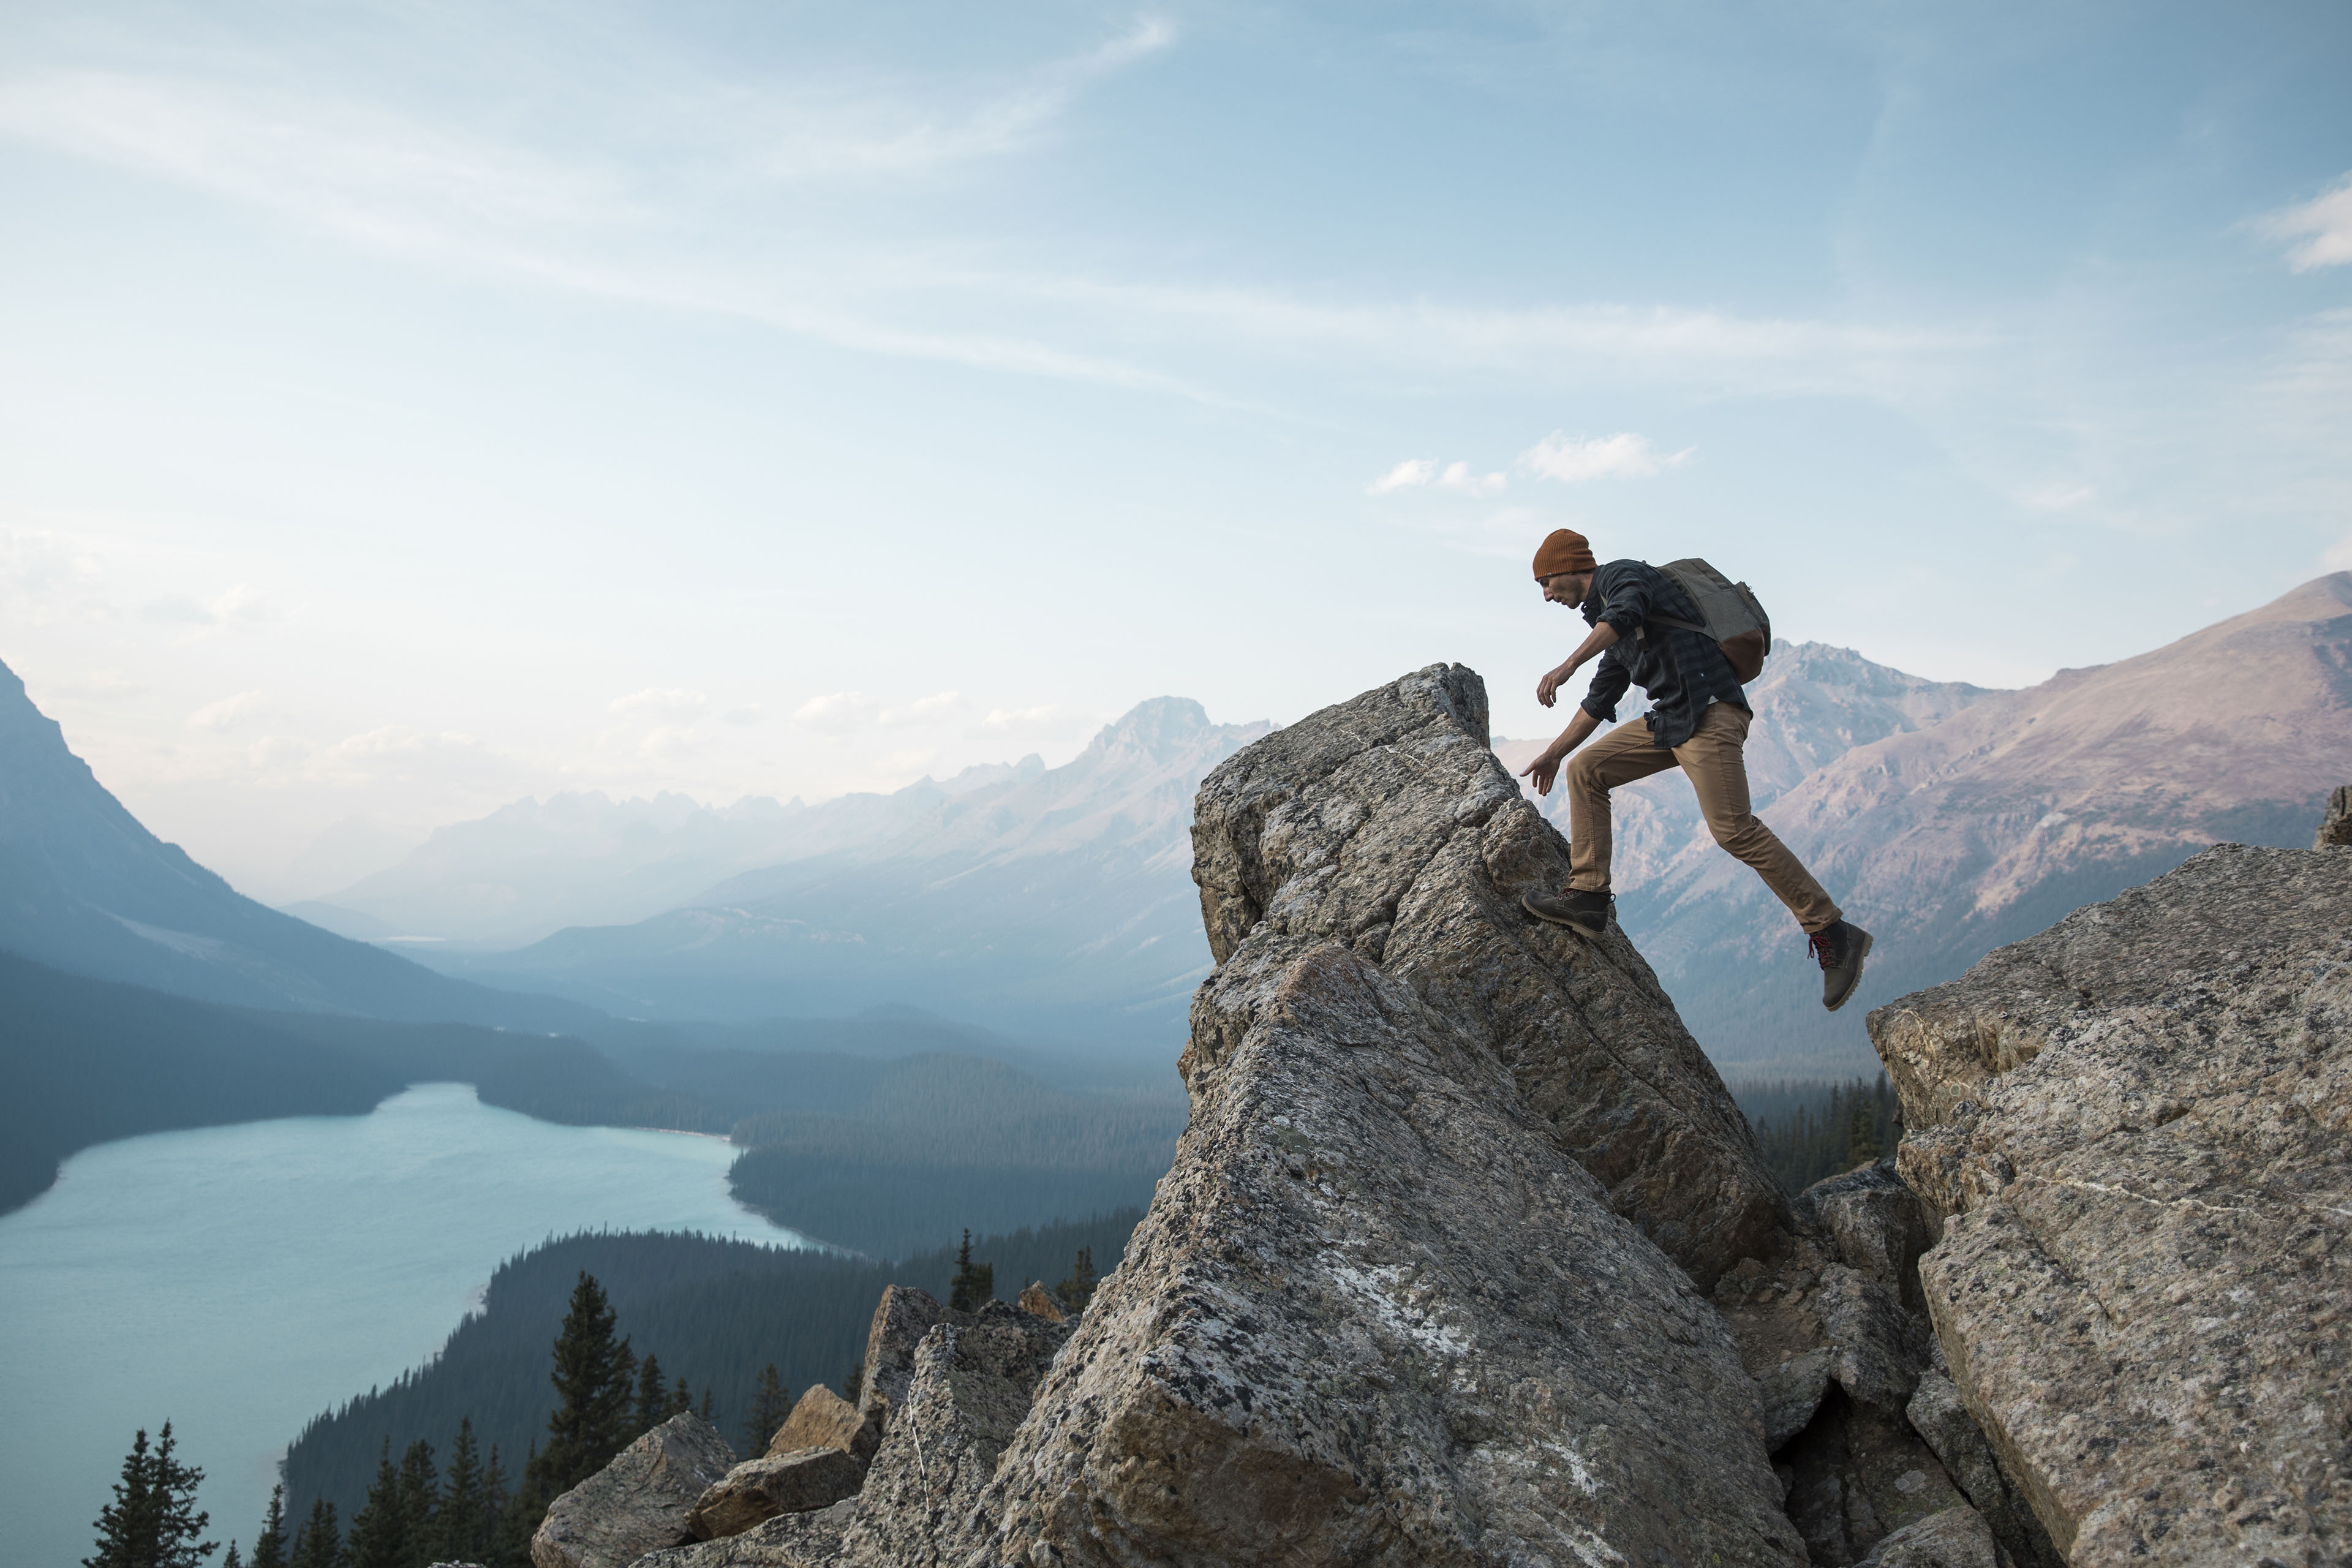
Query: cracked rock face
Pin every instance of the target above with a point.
(1376, 1317)
(1387, 825)
(2135, 1131)
(636, 1504)
(970, 1385)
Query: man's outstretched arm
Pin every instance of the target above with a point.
(1600, 641)
(1546, 767)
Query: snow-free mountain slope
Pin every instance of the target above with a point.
(86, 888)
(533, 867)
(1951, 840)
(1057, 900)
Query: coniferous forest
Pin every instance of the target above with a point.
(1808, 1129)
(718, 1319)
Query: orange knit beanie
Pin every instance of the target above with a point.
(1563, 550)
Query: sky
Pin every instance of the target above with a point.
(408, 407)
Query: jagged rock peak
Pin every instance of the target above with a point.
(1386, 824)
(2134, 1133)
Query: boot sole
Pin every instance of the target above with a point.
(1595, 933)
(1868, 941)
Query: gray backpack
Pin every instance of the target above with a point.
(1733, 616)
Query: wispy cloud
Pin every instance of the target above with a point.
(1579, 460)
(836, 713)
(658, 702)
(228, 711)
(2324, 225)
(1415, 473)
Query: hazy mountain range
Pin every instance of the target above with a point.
(1055, 901)
(84, 888)
(1056, 904)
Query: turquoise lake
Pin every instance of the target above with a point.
(240, 1280)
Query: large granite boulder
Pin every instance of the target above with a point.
(636, 1504)
(787, 1540)
(1377, 1316)
(822, 1419)
(1386, 826)
(800, 1482)
(971, 1387)
(901, 1320)
(2134, 1133)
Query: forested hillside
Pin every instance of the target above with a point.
(714, 1312)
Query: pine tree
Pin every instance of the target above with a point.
(320, 1542)
(853, 1384)
(709, 1411)
(974, 1282)
(420, 1500)
(459, 1531)
(1079, 1288)
(771, 1403)
(651, 1396)
(680, 1401)
(232, 1560)
(269, 1546)
(379, 1530)
(154, 1521)
(591, 1376)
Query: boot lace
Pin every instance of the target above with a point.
(1824, 945)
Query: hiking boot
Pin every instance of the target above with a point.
(1841, 948)
(1577, 909)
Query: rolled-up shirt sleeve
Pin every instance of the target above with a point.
(1628, 597)
(1609, 678)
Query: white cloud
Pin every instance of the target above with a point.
(1412, 472)
(2324, 225)
(659, 703)
(226, 712)
(748, 713)
(923, 709)
(239, 603)
(392, 754)
(1416, 473)
(1574, 460)
(2338, 557)
(1045, 718)
(836, 713)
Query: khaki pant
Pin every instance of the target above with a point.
(1712, 760)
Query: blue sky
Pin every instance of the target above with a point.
(413, 406)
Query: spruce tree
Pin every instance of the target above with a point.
(855, 1384)
(320, 1542)
(771, 1403)
(154, 1521)
(459, 1531)
(709, 1411)
(420, 1500)
(1079, 1288)
(680, 1401)
(232, 1560)
(269, 1546)
(593, 1375)
(974, 1283)
(379, 1530)
(651, 1395)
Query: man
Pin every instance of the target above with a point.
(1697, 720)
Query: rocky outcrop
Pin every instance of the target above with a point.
(636, 1504)
(822, 1419)
(2336, 825)
(1385, 826)
(2133, 1133)
(787, 1540)
(799, 1481)
(1040, 1301)
(971, 1387)
(901, 1320)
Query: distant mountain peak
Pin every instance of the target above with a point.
(1162, 728)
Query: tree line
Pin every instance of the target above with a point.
(1807, 1131)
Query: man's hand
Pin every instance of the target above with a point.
(1602, 638)
(1547, 689)
(1544, 771)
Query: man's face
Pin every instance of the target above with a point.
(1569, 588)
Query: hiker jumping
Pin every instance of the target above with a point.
(1648, 631)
